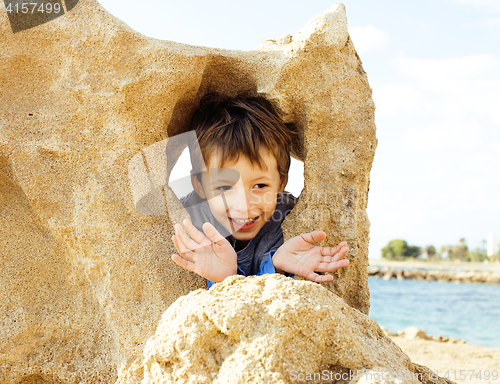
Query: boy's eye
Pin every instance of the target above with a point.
(223, 188)
(261, 185)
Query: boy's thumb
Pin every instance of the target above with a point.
(314, 237)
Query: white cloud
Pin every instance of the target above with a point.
(368, 38)
(492, 23)
(466, 86)
(393, 99)
(437, 160)
(452, 133)
(492, 5)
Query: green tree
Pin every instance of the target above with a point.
(458, 252)
(430, 251)
(477, 255)
(413, 251)
(399, 250)
(495, 257)
(462, 250)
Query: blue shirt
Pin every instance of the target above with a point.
(256, 257)
(266, 267)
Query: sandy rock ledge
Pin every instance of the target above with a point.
(272, 329)
(86, 106)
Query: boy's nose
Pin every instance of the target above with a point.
(241, 200)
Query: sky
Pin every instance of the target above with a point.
(433, 66)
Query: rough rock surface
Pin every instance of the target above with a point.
(272, 329)
(85, 277)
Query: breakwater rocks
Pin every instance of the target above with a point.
(388, 273)
(412, 333)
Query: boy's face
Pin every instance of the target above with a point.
(241, 195)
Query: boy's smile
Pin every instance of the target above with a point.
(241, 195)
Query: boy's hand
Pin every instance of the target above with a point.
(210, 256)
(301, 258)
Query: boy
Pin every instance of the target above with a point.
(240, 196)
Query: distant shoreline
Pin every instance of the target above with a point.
(438, 265)
(488, 273)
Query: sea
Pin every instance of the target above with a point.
(465, 311)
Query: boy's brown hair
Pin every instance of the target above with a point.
(240, 125)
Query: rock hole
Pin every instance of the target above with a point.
(182, 169)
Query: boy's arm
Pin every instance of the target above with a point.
(300, 257)
(209, 255)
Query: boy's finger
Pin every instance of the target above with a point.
(174, 240)
(340, 246)
(319, 278)
(341, 253)
(212, 233)
(181, 248)
(326, 259)
(193, 232)
(338, 251)
(331, 251)
(179, 244)
(185, 239)
(183, 263)
(332, 266)
(338, 264)
(314, 237)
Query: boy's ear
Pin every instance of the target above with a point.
(198, 188)
(283, 184)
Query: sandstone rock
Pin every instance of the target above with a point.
(52, 326)
(431, 275)
(399, 275)
(444, 276)
(414, 333)
(386, 331)
(271, 329)
(419, 275)
(388, 275)
(381, 376)
(82, 95)
(453, 340)
(464, 277)
(492, 279)
(415, 274)
(478, 277)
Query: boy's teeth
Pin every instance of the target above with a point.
(244, 221)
